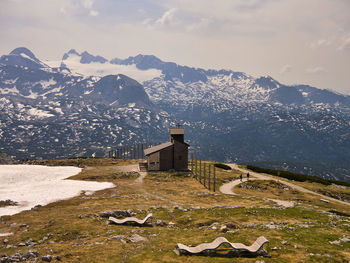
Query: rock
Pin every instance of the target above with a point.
(231, 226)
(324, 200)
(335, 242)
(58, 258)
(260, 261)
(223, 229)
(345, 239)
(116, 237)
(117, 213)
(21, 245)
(5, 241)
(274, 248)
(47, 258)
(284, 242)
(160, 223)
(137, 238)
(171, 224)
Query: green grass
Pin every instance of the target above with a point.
(76, 227)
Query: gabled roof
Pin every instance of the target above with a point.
(157, 148)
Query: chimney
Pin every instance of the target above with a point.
(177, 134)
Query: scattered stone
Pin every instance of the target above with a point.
(47, 258)
(284, 242)
(58, 258)
(171, 224)
(223, 229)
(341, 240)
(160, 223)
(21, 245)
(274, 248)
(23, 225)
(231, 226)
(116, 237)
(117, 213)
(18, 257)
(324, 200)
(5, 241)
(137, 238)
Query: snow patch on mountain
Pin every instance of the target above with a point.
(72, 61)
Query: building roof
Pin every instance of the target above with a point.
(157, 148)
(176, 131)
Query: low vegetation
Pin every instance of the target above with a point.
(75, 231)
(222, 166)
(295, 176)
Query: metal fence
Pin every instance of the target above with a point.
(133, 151)
(204, 172)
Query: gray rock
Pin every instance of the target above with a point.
(160, 223)
(47, 258)
(137, 238)
(117, 213)
(5, 241)
(116, 237)
(58, 258)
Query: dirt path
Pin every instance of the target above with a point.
(139, 180)
(227, 188)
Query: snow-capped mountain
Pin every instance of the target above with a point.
(227, 115)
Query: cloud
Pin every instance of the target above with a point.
(203, 23)
(345, 45)
(286, 69)
(93, 13)
(168, 18)
(316, 70)
(321, 43)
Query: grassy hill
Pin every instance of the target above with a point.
(74, 230)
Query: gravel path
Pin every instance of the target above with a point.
(227, 188)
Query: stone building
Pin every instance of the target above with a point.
(172, 155)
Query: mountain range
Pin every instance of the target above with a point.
(86, 103)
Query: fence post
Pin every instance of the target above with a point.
(209, 176)
(192, 162)
(204, 174)
(142, 151)
(214, 177)
(200, 171)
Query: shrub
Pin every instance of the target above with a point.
(222, 166)
(295, 176)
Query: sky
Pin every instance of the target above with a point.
(293, 41)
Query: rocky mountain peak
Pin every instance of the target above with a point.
(23, 51)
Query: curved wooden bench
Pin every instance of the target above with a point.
(239, 247)
(129, 220)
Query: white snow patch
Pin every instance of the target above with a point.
(40, 113)
(32, 185)
(103, 69)
(46, 84)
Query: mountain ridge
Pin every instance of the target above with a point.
(248, 120)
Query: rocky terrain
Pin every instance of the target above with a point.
(82, 105)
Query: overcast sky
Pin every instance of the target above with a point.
(294, 41)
